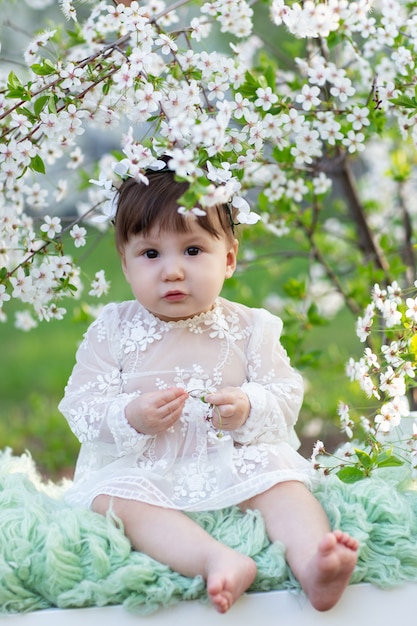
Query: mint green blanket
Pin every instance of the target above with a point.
(54, 555)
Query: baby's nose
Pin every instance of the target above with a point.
(173, 270)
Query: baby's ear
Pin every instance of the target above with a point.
(124, 268)
(231, 259)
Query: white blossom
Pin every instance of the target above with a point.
(182, 162)
(4, 296)
(388, 418)
(72, 76)
(411, 311)
(318, 450)
(99, 286)
(359, 117)
(393, 384)
(345, 420)
(52, 226)
(167, 44)
(354, 141)
(61, 189)
(78, 234)
(24, 321)
(308, 97)
(342, 88)
(265, 98)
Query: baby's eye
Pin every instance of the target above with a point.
(192, 251)
(151, 254)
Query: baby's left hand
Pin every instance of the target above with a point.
(232, 404)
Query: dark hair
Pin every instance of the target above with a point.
(141, 207)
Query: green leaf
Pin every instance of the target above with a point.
(309, 359)
(401, 168)
(350, 475)
(270, 76)
(364, 458)
(37, 165)
(19, 93)
(405, 101)
(52, 103)
(39, 104)
(16, 89)
(333, 39)
(189, 199)
(13, 82)
(27, 112)
(43, 69)
(76, 35)
(262, 81)
(251, 80)
(250, 86)
(387, 459)
(282, 155)
(384, 455)
(295, 288)
(394, 461)
(378, 119)
(314, 317)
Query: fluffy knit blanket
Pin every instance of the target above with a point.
(52, 555)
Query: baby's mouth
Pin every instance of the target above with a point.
(175, 296)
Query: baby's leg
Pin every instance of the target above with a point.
(322, 561)
(172, 538)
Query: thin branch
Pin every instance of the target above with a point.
(316, 254)
(367, 242)
(331, 274)
(57, 239)
(408, 254)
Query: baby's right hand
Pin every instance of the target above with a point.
(155, 412)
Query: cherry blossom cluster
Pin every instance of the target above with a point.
(386, 371)
(235, 123)
(389, 373)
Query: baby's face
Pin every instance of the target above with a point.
(178, 275)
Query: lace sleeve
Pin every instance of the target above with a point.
(274, 387)
(94, 404)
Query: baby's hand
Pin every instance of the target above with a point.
(232, 408)
(155, 412)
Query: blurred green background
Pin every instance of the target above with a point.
(36, 364)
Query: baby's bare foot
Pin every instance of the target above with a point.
(229, 575)
(330, 570)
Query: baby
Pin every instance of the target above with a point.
(184, 401)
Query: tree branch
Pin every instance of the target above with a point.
(407, 252)
(367, 243)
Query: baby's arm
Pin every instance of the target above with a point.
(155, 412)
(274, 390)
(232, 408)
(95, 403)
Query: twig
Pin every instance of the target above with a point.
(367, 243)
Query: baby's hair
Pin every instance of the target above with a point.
(142, 207)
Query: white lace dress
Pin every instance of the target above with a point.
(128, 351)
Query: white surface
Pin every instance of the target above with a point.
(361, 604)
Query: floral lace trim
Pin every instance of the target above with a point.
(145, 328)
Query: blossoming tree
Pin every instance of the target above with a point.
(306, 124)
